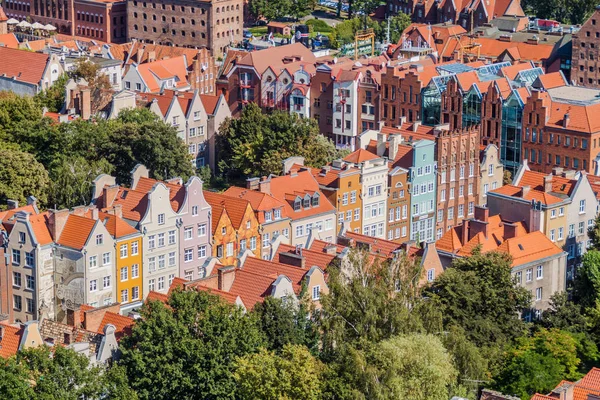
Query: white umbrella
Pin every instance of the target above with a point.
(24, 24)
(12, 21)
(50, 27)
(37, 25)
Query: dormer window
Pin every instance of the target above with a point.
(297, 205)
(315, 200)
(306, 202)
(277, 213)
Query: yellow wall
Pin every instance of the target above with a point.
(128, 262)
(560, 221)
(349, 184)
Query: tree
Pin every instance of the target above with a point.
(53, 98)
(14, 380)
(398, 23)
(293, 374)
(286, 324)
(21, 176)
(539, 362)
(257, 143)
(71, 180)
(187, 349)
(470, 364)
(478, 294)
(565, 11)
(564, 314)
(413, 366)
(587, 282)
(90, 72)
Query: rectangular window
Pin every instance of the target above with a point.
(161, 283)
(560, 233)
(29, 259)
(316, 292)
(201, 252)
(229, 249)
(538, 294)
(519, 277)
(30, 282)
(581, 227)
(356, 214)
(106, 282)
(553, 235)
(581, 206)
(161, 261)
(124, 296)
(171, 237)
(123, 251)
(93, 285)
(29, 306)
(430, 275)
(266, 239)
(135, 271)
(17, 302)
(172, 259)
(135, 293)
(529, 275)
(151, 241)
(539, 272)
(93, 261)
(134, 248)
(161, 240)
(124, 274)
(268, 216)
(17, 279)
(106, 259)
(188, 255)
(152, 264)
(253, 243)
(201, 230)
(161, 219)
(187, 233)
(99, 239)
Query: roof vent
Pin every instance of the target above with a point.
(521, 246)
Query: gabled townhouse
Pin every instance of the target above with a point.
(538, 265)
(186, 113)
(340, 182)
(28, 241)
(398, 204)
(17, 337)
(270, 212)
(84, 260)
(128, 279)
(374, 189)
(562, 205)
(491, 172)
(310, 211)
(234, 228)
(156, 76)
(152, 213)
(470, 14)
(28, 73)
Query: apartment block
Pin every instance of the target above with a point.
(584, 64)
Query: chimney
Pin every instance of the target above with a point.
(510, 231)
(94, 213)
(416, 126)
(482, 213)
(151, 56)
(557, 171)
(85, 98)
(118, 210)
(74, 317)
(330, 249)
(265, 185)
(381, 142)
(295, 259)
(548, 183)
(56, 222)
(226, 276)
(140, 53)
(252, 183)
(480, 222)
(32, 201)
(109, 195)
(293, 172)
(525, 190)
(465, 232)
(569, 174)
(394, 142)
(566, 120)
(79, 211)
(12, 204)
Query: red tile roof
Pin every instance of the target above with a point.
(122, 324)
(8, 214)
(176, 192)
(360, 156)
(116, 226)
(315, 256)
(251, 287)
(23, 65)
(153, 72)
(552, 80)
(258, 201)
(227, 296)
(210, 103)
(560, 185)
(380, 246)
(273, 57)
(10, 340)
(233, 206)
(588, 385)
(157, 296)
(133, 202)
(76, 232)
(9, 40)
(538, 396)
(517, 191)
(490, 47)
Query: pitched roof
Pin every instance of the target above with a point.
(287, 188)
(22, 65)
(258, 201)
(116, 226)
(360, 156)
(315, 256)
(3, 16)
(6, 215)
(76, 232)
(595, 183)
(176, 191)
(10, 339)
(122, 324)
(164, 69)
(134, 203)
(490, 47)
(560, 185)
(552, 80)
(234, 206)
(273, 57)
(529, 248)
(537, 195)
(538, 396)
(582, 117)
(9, 40)
(588, 385)
(157, 296)
(381, 246)
(251, 287)
(210, 103)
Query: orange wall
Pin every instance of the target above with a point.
(128, 262)
(235, 236)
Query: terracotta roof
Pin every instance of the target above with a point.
(116, 226)
(210, 103)
(273, 57)
(552, 80)
(538, 396)
(588, 385)
(531, 52)
(251, 287)
(227, 296)
(164, 69)
(8, 214)
(582, 118)
(258, 201)
(512, 71)
(122, 324)
(537, 195)
(131, 52)
(595, 183)
(9, 40)
(288, 187)
(360, 156)
(234, 206)
(39, 224)
(23, 65)
(380, 246)
(157, 296)
(134, 203)
(535, 180)
(76, 232)
(315, 256)
(10, 340)
(36, 45)
(176, 191)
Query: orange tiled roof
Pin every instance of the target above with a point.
(286, 188)
(516, 191)
(176, 192)
(273, 57)
(3, 16)
(552, 80)
(11, 338)
(134, 203)
(381, 246)
(512, 71)
(76, 232)
(258, 201)
(251, 287)
(116, 226)
(312, 256)
(233, 206)
(164, 69)
(582, 118)
(23, 65)
(210, 103)
(588, 385)
(122, 324)
(529, 247)
(533, 52)
(9, 40)
(538, 396)
(360, 156)
(8, 214)
(157, 296)
(559, 184)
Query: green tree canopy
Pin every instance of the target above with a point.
(188, 348)
(587, 282)
(21, 176)
(292, 374)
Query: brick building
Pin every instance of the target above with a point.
(104, 21)
(186, 23)
(584, 59)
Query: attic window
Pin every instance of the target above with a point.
(297, 205)
(306, 202)
(124, 194)
(315, 200)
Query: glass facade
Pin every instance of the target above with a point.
(510, 145)
(472, 108)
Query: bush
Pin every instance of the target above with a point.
(318, 25)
